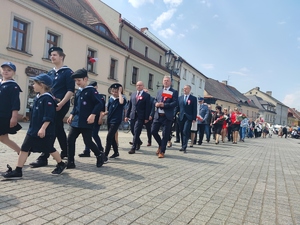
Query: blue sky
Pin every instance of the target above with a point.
(249, 43)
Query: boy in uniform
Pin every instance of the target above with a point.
(87, 104)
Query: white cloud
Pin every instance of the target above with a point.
(244, 69)
(194, 26)
(167, 33)
(206, 3)
(208, 66)
(165, 16)
(281, 22)
(180, 17)
(238, 73)
(292, 100)
(298, 39)
(181, 36)
(216, 16)
(241, 72)
(173, 3)
(138, 3)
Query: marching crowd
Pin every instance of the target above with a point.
(189, 117)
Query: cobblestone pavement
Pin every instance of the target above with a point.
(255, 182)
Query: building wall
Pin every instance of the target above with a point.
(74, 39)
(281, 110)
(109, 15)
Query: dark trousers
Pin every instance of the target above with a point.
(208, 132)
(166, 130)
(136, 130)
(110, 138)
(95, 135)
(185, 131)
(148, 129)
(177, 130)
(229, 133)
(59, 132)
(87, 139)
(200, 131)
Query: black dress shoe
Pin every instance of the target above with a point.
(199, 143)
(138, 147)
(71, 165)
(84, 155)
(39, 163)
(100, 160)
(130, 142)
(132, 151)
(115, 155)
(181, 150)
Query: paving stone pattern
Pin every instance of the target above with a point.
(253, 182)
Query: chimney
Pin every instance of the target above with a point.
(224, 82)
(257, 88)
(143, 29)
(269, 93)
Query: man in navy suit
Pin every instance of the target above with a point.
(202, 123)
(138, 112)
(187, 108)
(149, 124)
(166, 104)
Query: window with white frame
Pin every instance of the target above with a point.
(130, 44)
(184, 74)
(150, 81)
(91, 60)
(52, 41)
(134, 76)
(19, 35)
(193, 79)
(200, 83)
(113, 69)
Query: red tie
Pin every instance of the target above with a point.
(137, 96)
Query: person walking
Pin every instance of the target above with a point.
(63, 87)
(165, 103)
(87, 104)
(202, 121)
(138, 112)
(41, 132)
(9, 105)
(97, 125)
(150, 121)
(115, 110)
(187, 108)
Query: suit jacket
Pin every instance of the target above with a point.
(188, 108)
(170, 104)
(139, 108)
(152, 107)
(204, 113)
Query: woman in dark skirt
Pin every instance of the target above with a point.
(9, 105)
(218, 123)
(41, 133)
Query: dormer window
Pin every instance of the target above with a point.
(103, 29)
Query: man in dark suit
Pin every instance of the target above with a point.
(204, 114)
(187, 108)
(166, 104)
(149, 124)
(138, 112)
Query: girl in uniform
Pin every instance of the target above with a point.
(41, 133)
(9, 105)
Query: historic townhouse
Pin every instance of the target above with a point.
(281, 110)
(30, 27)
(266, 109)
(220, 93)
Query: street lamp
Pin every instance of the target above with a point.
(172, 65)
